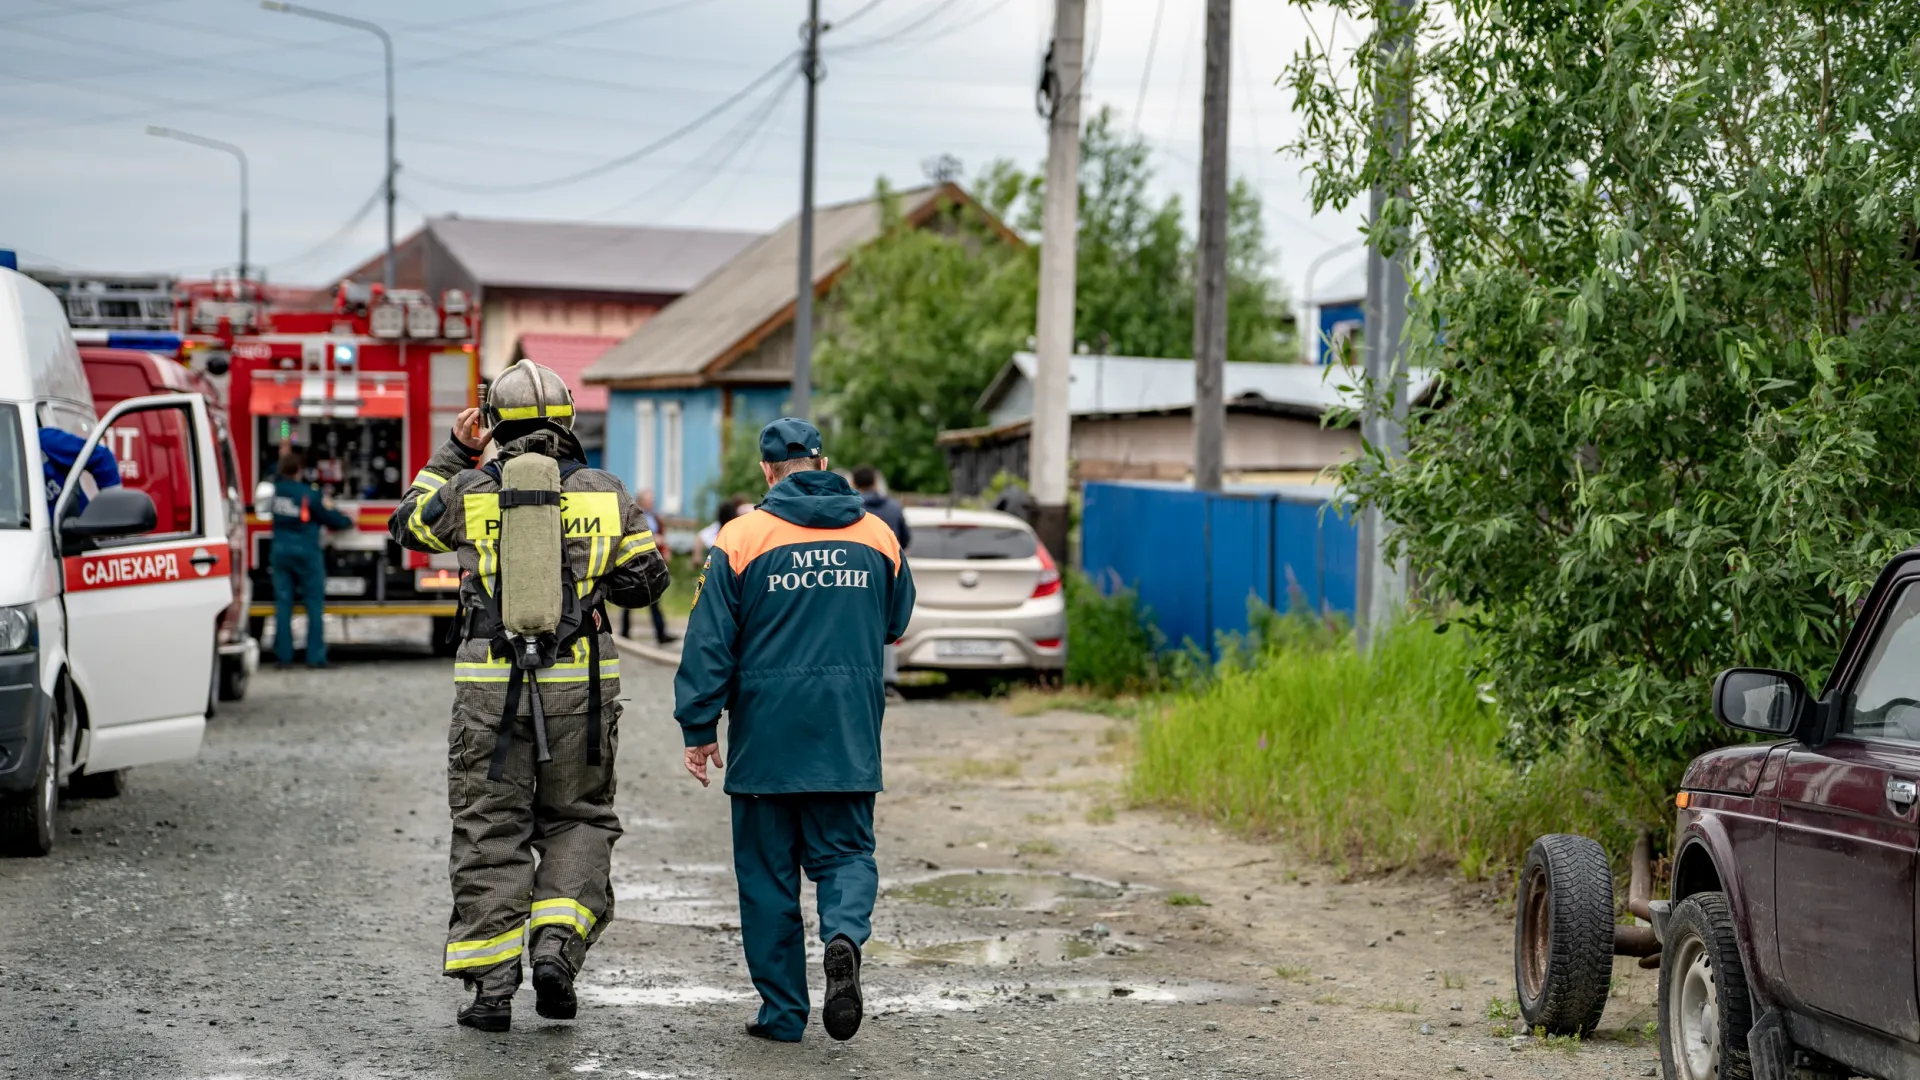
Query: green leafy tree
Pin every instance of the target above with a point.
(1135, 257)
(1665, 262)
(922, 320)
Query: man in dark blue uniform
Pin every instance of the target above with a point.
(796, 602)
(299, 513)
(60, 449)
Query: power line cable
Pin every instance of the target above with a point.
(624, 159)
(217, 104)
(352, 223)
(863, 9)
(745, 140)
(1186, 60)
(58, 11)
(1146, 73)
(885, 37)
(740, 134)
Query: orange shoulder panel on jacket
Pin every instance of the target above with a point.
(757, 532)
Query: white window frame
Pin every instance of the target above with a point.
(672, 457)
(644, 458)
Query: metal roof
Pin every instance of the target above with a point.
(1110, 385)
(741, 304)
(585, 256)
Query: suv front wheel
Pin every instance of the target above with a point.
(1705, 1012)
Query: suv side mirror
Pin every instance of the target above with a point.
(1760, 699)
(115, 511)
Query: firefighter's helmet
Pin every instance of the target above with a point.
(527, 391)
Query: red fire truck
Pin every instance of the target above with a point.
(363, 392)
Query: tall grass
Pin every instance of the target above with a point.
(1371, 761)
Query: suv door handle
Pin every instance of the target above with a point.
(1902, 793)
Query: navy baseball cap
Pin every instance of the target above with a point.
(787, 438)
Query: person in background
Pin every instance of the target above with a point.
(299, 513)
(729, 509)
(644, 500)
(59, 450)
(873, 496)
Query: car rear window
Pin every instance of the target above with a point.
(971, 542)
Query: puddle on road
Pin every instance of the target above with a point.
(669, 996)
(1017, 890)
(1038, 948)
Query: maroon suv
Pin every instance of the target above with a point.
(1788, 944)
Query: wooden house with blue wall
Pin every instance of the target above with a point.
(722, 354)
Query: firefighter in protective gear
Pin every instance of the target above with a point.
(535, 713)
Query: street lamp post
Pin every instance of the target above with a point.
(386, 42)
(226, 147)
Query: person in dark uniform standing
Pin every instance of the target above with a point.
(299, 513)
(796, 602)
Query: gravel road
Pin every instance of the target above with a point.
(276, 909)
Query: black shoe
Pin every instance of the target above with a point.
(759, 1031)
(666, 639)
(844, 1008)
(553, 989)
(322, 666)
(283, 665)
(487, 1014)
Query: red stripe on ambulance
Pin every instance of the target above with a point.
(183, 562)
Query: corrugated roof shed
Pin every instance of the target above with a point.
(569, 355)
(746, 300)
(1109, 385)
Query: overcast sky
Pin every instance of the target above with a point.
(522, 92)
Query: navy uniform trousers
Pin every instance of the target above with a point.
(775, 838)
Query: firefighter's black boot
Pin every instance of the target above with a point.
(553, 974)
(492, 1006)
(844, 1008)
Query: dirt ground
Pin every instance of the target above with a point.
(276, 909)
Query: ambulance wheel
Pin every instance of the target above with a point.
(233, 678)
(26, 818)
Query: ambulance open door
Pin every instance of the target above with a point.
(142, 610)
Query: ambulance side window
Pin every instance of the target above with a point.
(155, 450)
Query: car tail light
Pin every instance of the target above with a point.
(1046, 643)
(1049, 573)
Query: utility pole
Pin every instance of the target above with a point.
(803, 302)
(1059, 235)
(226, 148)
(1210, 305)
(386, 43)
(1382, 583)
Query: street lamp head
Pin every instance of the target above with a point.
(274, 5)
(156, 129)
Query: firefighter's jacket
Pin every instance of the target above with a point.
(453, 506)
(795, 607)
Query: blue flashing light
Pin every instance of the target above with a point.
(160, 343)
(9, 260)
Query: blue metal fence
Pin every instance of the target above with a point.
(1195, 559)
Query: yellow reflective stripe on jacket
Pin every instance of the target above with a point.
(428, 482)
(500, 672)
(562, 912)
(599, 549)
(528, 412)
(418, 527)
(634, 546)
(470, 954)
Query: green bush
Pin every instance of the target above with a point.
(1663, 257)
(1386, 759)
(1110, 642)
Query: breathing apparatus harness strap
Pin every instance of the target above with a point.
(529, 655)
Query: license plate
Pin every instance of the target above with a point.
(346, 586)
(964, 647)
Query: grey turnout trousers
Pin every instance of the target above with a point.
(532, 847)
(562, 812)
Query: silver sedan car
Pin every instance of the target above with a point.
(989, 594)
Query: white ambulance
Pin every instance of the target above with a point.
(108, 656)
